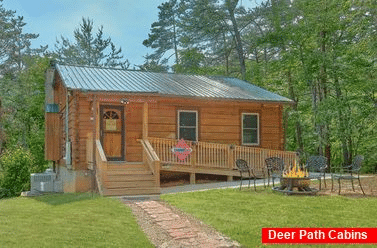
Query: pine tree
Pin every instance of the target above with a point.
(89, 49)
(165, 33)
(14, 43)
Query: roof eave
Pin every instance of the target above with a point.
(183, 96)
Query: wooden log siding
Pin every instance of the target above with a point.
(218, 156)
(52, 136)
(89, 151)
(83, 127)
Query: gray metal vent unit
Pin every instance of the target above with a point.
(43, 182)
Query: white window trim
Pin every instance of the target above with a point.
(258, 129)
(178, 126)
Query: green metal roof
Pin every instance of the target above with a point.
(118, 80)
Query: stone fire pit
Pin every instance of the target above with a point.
(291, 185)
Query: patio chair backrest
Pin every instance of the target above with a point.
(242, 165)
(357, 162)
(275, 165)
(316, 163)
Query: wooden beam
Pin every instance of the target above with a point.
(145, 120)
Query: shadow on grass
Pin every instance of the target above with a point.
(66, 198)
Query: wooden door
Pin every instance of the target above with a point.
(112, 132)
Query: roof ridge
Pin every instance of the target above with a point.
(135, 70)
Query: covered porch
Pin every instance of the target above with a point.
(126, 178)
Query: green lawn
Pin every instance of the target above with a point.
(69, 220)
(241, 215)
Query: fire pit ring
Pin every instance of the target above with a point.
(287, 184)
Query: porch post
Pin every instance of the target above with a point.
(231, 161)
(192, 178)
(145, 120)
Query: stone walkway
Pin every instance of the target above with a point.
(167, 226)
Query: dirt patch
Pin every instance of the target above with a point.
(368, 182)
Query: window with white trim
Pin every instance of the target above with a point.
(250, 129)
(188, 125)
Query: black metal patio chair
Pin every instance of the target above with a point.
(348, 173)
(275, 169)
(244, 168)
(316, 166)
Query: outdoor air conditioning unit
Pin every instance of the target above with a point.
(43, 182)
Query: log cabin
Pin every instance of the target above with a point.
(116, 131)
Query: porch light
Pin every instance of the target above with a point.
(124, 101)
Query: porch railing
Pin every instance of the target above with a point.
(218, 156)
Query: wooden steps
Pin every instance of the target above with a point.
(122, 178)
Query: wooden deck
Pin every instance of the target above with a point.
(143, 178)
(215, 158)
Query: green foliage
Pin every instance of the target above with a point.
(191, 61)
(89, 49)
(14, 43)
(23, 102)
(15, 167)
(164, 35)
(154, 65)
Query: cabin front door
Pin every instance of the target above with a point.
(112, 132)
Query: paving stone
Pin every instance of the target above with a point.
(157, 210)
(173, 224)
(184, 229)
(152, 204)
(165, 217)
(182, 235)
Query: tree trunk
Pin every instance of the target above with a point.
(342, 121)
(231, 5)
(323, 86)
(292, 95)
(175, 41)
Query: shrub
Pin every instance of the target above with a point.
(15, 168)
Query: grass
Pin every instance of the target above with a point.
(69, 220)
(242, 214)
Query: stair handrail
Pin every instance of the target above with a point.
(150, 157)
(101, 162)
(101, 151)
